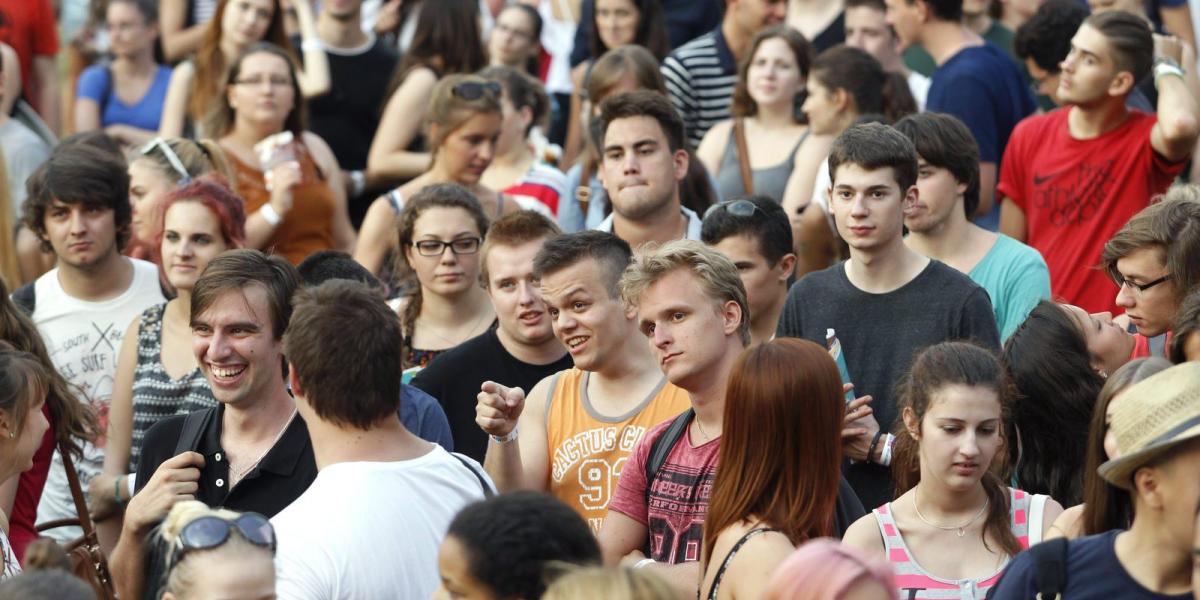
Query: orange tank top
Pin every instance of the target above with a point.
(587, 450)
(309, 226)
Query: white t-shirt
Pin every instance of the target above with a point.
(84, 340)
(372, 529)
(919, 84)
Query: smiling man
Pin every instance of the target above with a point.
(886, 302)
(78, 205)
(250, 452)
(572, 434)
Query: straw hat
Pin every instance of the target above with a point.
(1153, 416)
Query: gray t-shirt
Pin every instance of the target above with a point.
(882, 333)
(24, 152)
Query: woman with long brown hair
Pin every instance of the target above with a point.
(779, 476)
(954, 510)
(194, 93)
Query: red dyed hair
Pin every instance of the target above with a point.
(781, 452)
(211, 191)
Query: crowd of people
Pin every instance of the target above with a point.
(571, 299)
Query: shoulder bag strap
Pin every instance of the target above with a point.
(487, 489)
(739, 137)
(193, 427)
(1050, 558)
(85, 517)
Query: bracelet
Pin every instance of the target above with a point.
(117, 490)
(642, 563)
(504, 439)
(874, 444)
(885, 458)
(269, 215)
(358, 182)
(1166, 67)
(311, 44)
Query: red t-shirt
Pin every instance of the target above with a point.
(678, 495)
(28, 26)
(1077, 193)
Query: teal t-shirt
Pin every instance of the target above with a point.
(1016, 278)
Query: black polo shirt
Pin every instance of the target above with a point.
(280, 477)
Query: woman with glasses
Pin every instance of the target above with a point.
(766, 120)
(156, 170)
(217, 553)
(125, 98)
(447, 41)
(515, 41)
(465, 121)
(440, 232)
(197, 85)
(157, 375)
(289, 178)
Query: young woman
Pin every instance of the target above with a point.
(954, 512)
(71, 422)
(196, 87)
(1105, 506)
(515, 41)
(517, 170)
(202, 541)
(125, 98)
(828, 570)
(295, 199)
(157, 375)
(845, 84)
(465, 119)
(440, 232)
(780, 465)
(764, 108)
(1058, 360)
(158, 169)
(446, 42)
(616, 23)
(24, 385)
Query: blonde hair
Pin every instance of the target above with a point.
(621, 583)
(718, 276)
(196, 156)
(181, 578)
(449, 111)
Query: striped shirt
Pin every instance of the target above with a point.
(915, 583)
(700, 77)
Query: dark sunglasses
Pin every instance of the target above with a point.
(473, 90)
(737, 208)
(212, 531)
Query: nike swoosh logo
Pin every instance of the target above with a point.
(1040, 179)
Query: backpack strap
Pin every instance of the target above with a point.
(1050, 560)
(193, 427)
(26, 298)
(661, 446)
(487, 489)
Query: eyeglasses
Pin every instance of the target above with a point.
(473, 90)
(513, 31)
(437, 247)
(172, 158)
(212, 531)
(276, 81)
(1138, 288)
(737, 208)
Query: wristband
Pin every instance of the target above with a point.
(312, 44)
(642, 563)
(117, 490)
(885, 459)
(358, 182)
(504, 439)
(1166, 67)
(269, 215)
(130, 484)
(874, 444)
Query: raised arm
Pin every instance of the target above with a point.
(524, 463)
(314, 78)
(174, 113)
(401, 124)
(178, 42)
(1174, 135)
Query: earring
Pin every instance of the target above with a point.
(12, 434)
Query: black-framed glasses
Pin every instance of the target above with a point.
(437, 247)
(737, 208)
(1138, 288)
(161, 145)
(474, 90)
(211, 531)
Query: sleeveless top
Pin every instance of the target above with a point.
(769, 182)
(716, 585)
(309, 226)
(587, 449)
(915, 583)
(155, 394)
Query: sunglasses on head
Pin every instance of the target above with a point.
(211, 531)
(737, 208)
(474, 90)
(160, 144)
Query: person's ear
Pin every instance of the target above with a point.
(294, 381)
(731, 315)
(910, 198)
(786, 266)
(1121, 84)
(1147, 484)
(841, 99)
(681, 159)
(7, 425)
(526, 118)
(911, 423)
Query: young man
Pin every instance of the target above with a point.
(573, 432)
(250, 452)
(643, 159)
(420, 412)
(520, 352)
(1013, 274)
(384, 497)
(1155, 430)
(1155, 261)
(975, 81)
(701, 74)
(78, 207)
(886, 302)
(1072, 177)
(360, 67)
(755, 234)
(867, 29)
